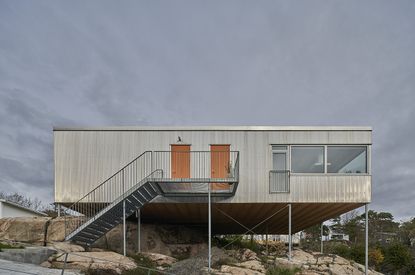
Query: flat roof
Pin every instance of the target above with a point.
(216, 128)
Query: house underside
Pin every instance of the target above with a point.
(245, 218)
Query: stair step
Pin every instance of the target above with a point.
(113, 215)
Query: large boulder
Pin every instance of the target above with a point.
(23, 229)
(108, 261)
(253, 265)
(176, 241)
(235, 270)
(159, 259)
(56, 229)
(66, 247)
(317, 263)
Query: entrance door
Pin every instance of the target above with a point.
(180, 161)
(219, 165)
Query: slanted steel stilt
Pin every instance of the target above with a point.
(366, 239)
(289, 232)
(124, 229)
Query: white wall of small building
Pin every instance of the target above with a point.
(11, 211)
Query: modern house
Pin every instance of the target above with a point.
(12, 210)
(261, 180)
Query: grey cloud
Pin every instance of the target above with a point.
(187, 62)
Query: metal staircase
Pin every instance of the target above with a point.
(112, 215)
(102, 208)
(139, 182)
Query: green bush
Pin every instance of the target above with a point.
(282, 271)
(342, 250)
(398, 256)
(357, 254)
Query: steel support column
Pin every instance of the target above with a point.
(210, 229)
(58, 206)
(289, 232)
(321, 238)
(366, 239)
(138, 231)
(124, 229)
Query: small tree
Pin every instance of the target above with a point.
(397, 256)
(376, 258)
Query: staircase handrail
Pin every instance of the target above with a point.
(105, 181)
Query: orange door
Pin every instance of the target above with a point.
(180, 161)
(219, 165)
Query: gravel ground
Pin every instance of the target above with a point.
(15, 268)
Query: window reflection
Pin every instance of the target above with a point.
(307, 159)
(346, 159)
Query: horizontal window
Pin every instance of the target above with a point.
(346, 159)
(307, 159)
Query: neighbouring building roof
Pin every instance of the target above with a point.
(22, 207)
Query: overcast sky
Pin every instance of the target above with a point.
(76, 63)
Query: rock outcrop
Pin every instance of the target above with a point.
(108, 261)
(176, 241)
(317, 263)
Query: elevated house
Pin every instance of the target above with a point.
(261, 180)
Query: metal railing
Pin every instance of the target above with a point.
(190, 172)
(279, 181)
(111, 189)
(176, 173)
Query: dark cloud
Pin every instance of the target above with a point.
(187, 62)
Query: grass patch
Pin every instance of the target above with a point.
(9, 246)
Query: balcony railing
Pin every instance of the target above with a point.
(191, 172)
(279, 181)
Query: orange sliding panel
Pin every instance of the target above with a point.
(219, 165)
(180, 161)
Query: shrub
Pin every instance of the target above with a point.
(357, 254)
(397, 256)
(376, 257)
(342, 250)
